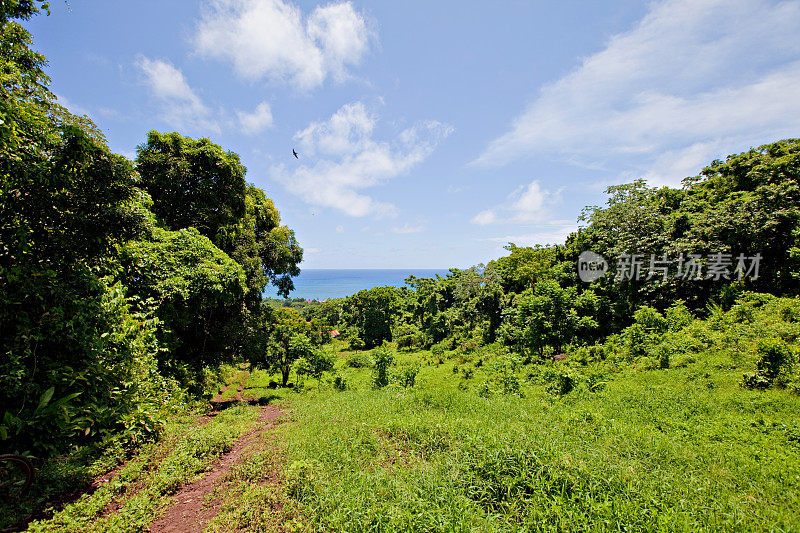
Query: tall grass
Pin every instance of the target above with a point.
(678, 449)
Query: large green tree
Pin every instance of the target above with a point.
(748, 204)
(370, 314)
(551, 316)
(74, 358)
(287, 341)
(195, 183)
(194, 289)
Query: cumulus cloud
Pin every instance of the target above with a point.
(528, 204)
(694, 79)
(407, 228)
(257, 121)
(549, 234)
(346, 160)
(274, 40)
(181, 107)
(73, 108)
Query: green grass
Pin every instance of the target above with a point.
(482, 442)
(661, 450)
(144, 486)
(233, 387)
(252, 495)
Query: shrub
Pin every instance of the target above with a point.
(407, 336)
(384, 358)
(358, 360)
(339, 383)
(439, 348)
(319, 361)
(470, 345)
(677, 316)
(356, 343)
(504, 375)
(562, 384)
(407, 376)
(589, 354)
(774, 358)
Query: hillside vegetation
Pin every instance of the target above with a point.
(506, 396)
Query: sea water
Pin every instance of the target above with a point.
(321, 284)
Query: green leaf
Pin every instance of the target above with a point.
(46, 397)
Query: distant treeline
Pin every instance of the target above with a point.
(533, 301)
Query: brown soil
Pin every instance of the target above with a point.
(241, 388)
(218, 397)
(217, 403)
(189, 511)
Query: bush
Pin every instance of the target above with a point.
(561, 384)
(470, 345)
(339, 383)
(356, 343)
(407, 336)
(358, 360)
(439, 348)
(407, 376)
(678, 316)
(775, 357)
(103, 378)
(589, 354)
(503, 376)
(319, 361)
(384, 358)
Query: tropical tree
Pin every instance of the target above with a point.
(551, 316)
(371, 314)
(195, 183)
(288, 340)
(194, 289)
(76, 359)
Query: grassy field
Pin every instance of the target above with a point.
(679, 449)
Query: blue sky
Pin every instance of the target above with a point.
(431, 134)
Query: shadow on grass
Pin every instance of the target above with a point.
(263, 400)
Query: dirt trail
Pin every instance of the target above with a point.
(187, 513)
(217, 403)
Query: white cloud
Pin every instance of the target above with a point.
(484, 218)
(347, 160)
(72, 107)
(697, 78)
(407, 229)
(555, 234)
(257, 121)
(180, 105)
(348, 131)
(339, 229)
(272, 39)
(526, 205)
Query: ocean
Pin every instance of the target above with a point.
(321, 284)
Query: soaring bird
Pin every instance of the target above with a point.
(295, 154)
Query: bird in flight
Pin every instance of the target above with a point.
(295, 154)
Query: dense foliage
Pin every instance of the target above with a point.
(124, 285)
(118, 284)
(533, 302)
